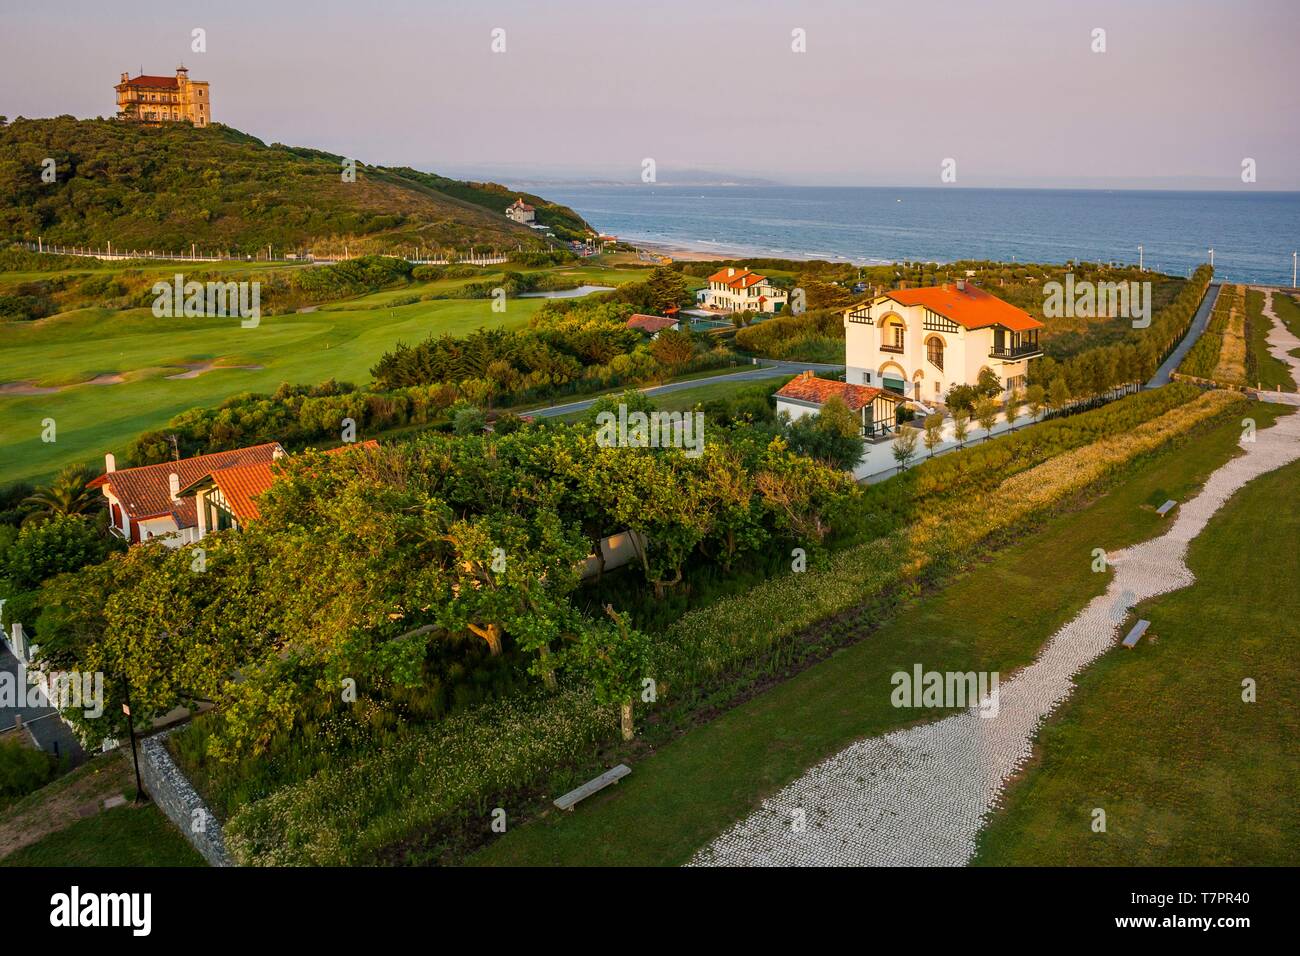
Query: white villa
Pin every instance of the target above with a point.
(521, 212)
(921, 342)
(738, 290)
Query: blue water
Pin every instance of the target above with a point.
(1253, 233)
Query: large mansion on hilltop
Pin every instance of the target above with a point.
(921, 342)
(164, 99)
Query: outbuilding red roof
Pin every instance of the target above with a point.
(971, 307)
(650, 324)
(805, 387)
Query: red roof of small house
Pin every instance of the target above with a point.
(971, 307)
(650, 323)
(145, 492)
(152, 82)
(805, 387)
(520, 204)
(240, 485)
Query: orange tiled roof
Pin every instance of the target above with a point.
(809, 389)
(972, 307)
(145, 492)
(650, 323)
(240, 485)
(737, 278)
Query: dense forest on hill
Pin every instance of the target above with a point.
(165, 188)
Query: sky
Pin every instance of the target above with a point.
(883, 94)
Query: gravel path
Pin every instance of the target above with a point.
(920, 796)
(1280, 343)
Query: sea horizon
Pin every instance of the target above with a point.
(1252, 232)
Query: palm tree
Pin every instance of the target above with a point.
(67, 494)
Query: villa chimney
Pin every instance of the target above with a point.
(961, 285)
(278, 453)
(110, 464)
(730, 271)
(174, 485)
(125, 77)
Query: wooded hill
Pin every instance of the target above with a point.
(165, 188)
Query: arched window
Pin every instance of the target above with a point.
(934, 351)
(891, 334)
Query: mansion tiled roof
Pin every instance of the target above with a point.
(152, 82)
(807, 388)
(970, 307)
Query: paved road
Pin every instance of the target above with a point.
(1199, 322)
(755, 374)
(43, 722)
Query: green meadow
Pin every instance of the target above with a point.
(339, 340)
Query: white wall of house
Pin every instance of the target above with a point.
(870, 356)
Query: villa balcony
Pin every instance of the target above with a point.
(1016, 353)
(896, 349)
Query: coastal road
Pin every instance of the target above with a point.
(758, 373)
(1199, 323)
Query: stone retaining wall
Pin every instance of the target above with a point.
(173, 794)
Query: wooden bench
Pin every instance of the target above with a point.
(1167, 507)
(614, 775)
(1135, 635)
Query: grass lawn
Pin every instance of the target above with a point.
(995, 617)
(1160, 738)
(341, 340)
(123, 836)
(1270, 373)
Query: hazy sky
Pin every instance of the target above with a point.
(885, 92)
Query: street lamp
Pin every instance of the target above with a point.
(1140, 269)
(1293, 270)
(1211, 258)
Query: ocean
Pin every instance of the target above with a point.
(1253, 233)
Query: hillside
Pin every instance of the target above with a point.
(165, 188)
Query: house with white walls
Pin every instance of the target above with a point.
(876, 408)
(736, 289)
(179, 502)
(919, 343)
(521, 212)
(145, 502)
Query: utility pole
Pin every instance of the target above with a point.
(130, 726)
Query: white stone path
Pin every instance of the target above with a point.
(1280, 342)
(920, 796)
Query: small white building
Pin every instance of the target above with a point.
(521, 212)
(736, 289)
(921, 342)
(875, 407)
